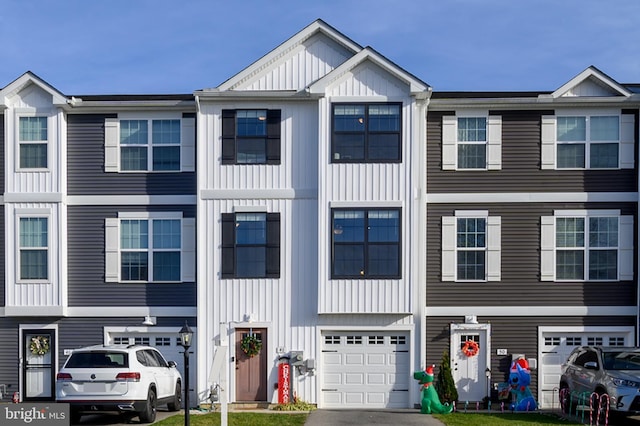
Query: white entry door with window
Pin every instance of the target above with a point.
(469, 369)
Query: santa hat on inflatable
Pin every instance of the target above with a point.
(429, 371)
(522, 362)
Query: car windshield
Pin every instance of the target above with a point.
(622, 360)
(98, 360)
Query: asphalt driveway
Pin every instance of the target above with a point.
(371, 417)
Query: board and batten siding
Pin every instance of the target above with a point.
(520, 283)
(86, 276)
(86, 165)
(286, 305)
(521, 163)
(519, 335)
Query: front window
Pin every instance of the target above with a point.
(150, 249)
(143, 150)
(33, 142)
(366, 243)
(471, 243)
(251, 140)
(472, 143)
(590, 252)
(588, 140)
(34, 257)
(366, 133)
(251, 244)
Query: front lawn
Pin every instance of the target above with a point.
(238, 419)
(501, 419)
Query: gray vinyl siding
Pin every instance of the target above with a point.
(518, 335)
(3, 248)
(521, 160)
(86, 175)
(520, 283)
(9, 371)
(86, 247)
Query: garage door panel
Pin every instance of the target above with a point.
(365, 369)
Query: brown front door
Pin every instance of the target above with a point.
(251, 371)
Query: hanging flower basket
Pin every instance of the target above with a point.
(251, 345)
(39, 345)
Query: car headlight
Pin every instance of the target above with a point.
(626, 383)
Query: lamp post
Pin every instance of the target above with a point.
(186, 334)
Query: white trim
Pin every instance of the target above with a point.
(533, 197)
(243, 209)
(519, 311)
(39, 213)
(583, 213)
(33, 197)
(150, 215)
(365, 204)
(259, 194)
(123, 200)
(472, 213)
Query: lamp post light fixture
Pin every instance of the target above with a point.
(186, 335)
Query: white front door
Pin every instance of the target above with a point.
(469, 370)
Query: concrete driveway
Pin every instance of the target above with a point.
(370, 417)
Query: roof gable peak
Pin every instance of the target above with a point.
(591, 83)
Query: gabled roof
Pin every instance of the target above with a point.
(318, 26)
(25, 80)
(369, 54)
(591, 83)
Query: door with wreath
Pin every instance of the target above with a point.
(251, 364)
(38, 369)
(469, 361)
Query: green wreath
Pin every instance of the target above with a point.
(39, 345)
(251, 345)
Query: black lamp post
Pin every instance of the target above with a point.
(186, 334)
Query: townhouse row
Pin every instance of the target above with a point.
(332, 205)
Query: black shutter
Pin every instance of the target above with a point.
(273, 245)
(228, 136)
(273, 136)
(228, 245)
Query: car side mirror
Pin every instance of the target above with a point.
(172, 364)
(591, 365)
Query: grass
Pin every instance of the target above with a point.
(238, 419)
(501, 419)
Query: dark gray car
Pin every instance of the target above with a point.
(593, 371)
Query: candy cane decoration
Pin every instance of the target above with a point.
(604, 399)
(593, 396)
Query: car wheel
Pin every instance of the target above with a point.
(175, 403)
(149, 413)
(75, 416)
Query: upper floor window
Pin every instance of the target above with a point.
(471, 141)
(366, 243)
(587, 246)
(150, 247)
(471, 246)
(251, 245)
(33, 142)
(154, 144)
(251, 136)
(34, 248)
(580, 140)
(366, 133)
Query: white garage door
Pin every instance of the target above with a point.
(365, 369)
(556, 346)
(168, 344)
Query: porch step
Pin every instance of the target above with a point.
(240, 406)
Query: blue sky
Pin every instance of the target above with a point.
(158, 46)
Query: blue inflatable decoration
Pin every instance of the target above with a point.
(519, 380)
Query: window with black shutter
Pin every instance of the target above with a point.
(251, 245)
(251, 136)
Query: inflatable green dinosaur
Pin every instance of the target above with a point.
(430, 402)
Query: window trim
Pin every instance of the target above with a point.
(548, 249)
(229, 136)
(39, 215)
(112, 145)
(113, 258)
(493, 237)
(228, 251)
(626, 138)
(366, 159)
(450, 142)
(28, 112)
(365, 243)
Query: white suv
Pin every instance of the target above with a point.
(127, 379)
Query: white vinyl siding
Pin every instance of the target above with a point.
(450, 142)
(112, 144)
